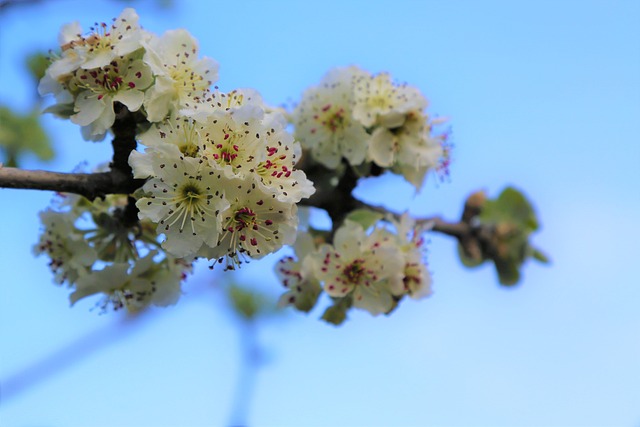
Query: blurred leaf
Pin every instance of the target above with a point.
(37, 64)
(365, 217)
(540, 256)
(337, 313)
(509, 220)
(248, 304)
(23, 134)
(63, 111)
(508, 272)
(511, 206)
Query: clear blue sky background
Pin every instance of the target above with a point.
(543, 95)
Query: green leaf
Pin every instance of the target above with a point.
(37, 64)
(337, 313)
(511, 206)
(334, 315)
(540, 256)
(513, 219)
(247, 304)
(23, 134)
(508, 272)
(365, 217)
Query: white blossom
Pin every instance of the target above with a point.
(71, 256)
(123, 80)
(367, 268)
(277, 171)
(410, 149)
(407, 238)
(324, 122)
(297, 275)
(110, 41)
(148, 281)
(179, 73)
(185, 199)
(377, 101)
(233, 143)
(254, 225)
(181, 131)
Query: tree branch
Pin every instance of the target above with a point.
(89, 185)
(118, 180)
(477, 240)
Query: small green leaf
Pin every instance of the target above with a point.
(508, 272)
(540, 256)
(21, 134)
(246, 303)
(37, 64)
(365, 217)
(512, 219)
(334, 315)
(511, 206)
(337, 313)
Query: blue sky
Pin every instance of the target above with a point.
(542, 95)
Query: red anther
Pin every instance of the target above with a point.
(326, 107)
(254, 242)
(132, 85)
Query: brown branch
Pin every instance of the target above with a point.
(118, 180)
(89, 185)
(478, 241)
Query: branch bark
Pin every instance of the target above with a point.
(89, 185)
(118, 180)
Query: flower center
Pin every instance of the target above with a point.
(102, 80)
(354, 272)
(191, 192)
(332, 118)
(189, 149)
(185, 79)
(244, 218)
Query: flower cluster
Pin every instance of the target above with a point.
(371, 270)
(219, 179)
(121, 62)
(366, 118)
(94, 251)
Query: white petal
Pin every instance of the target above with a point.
(381, 147)
(88, 108)
(131, 98)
